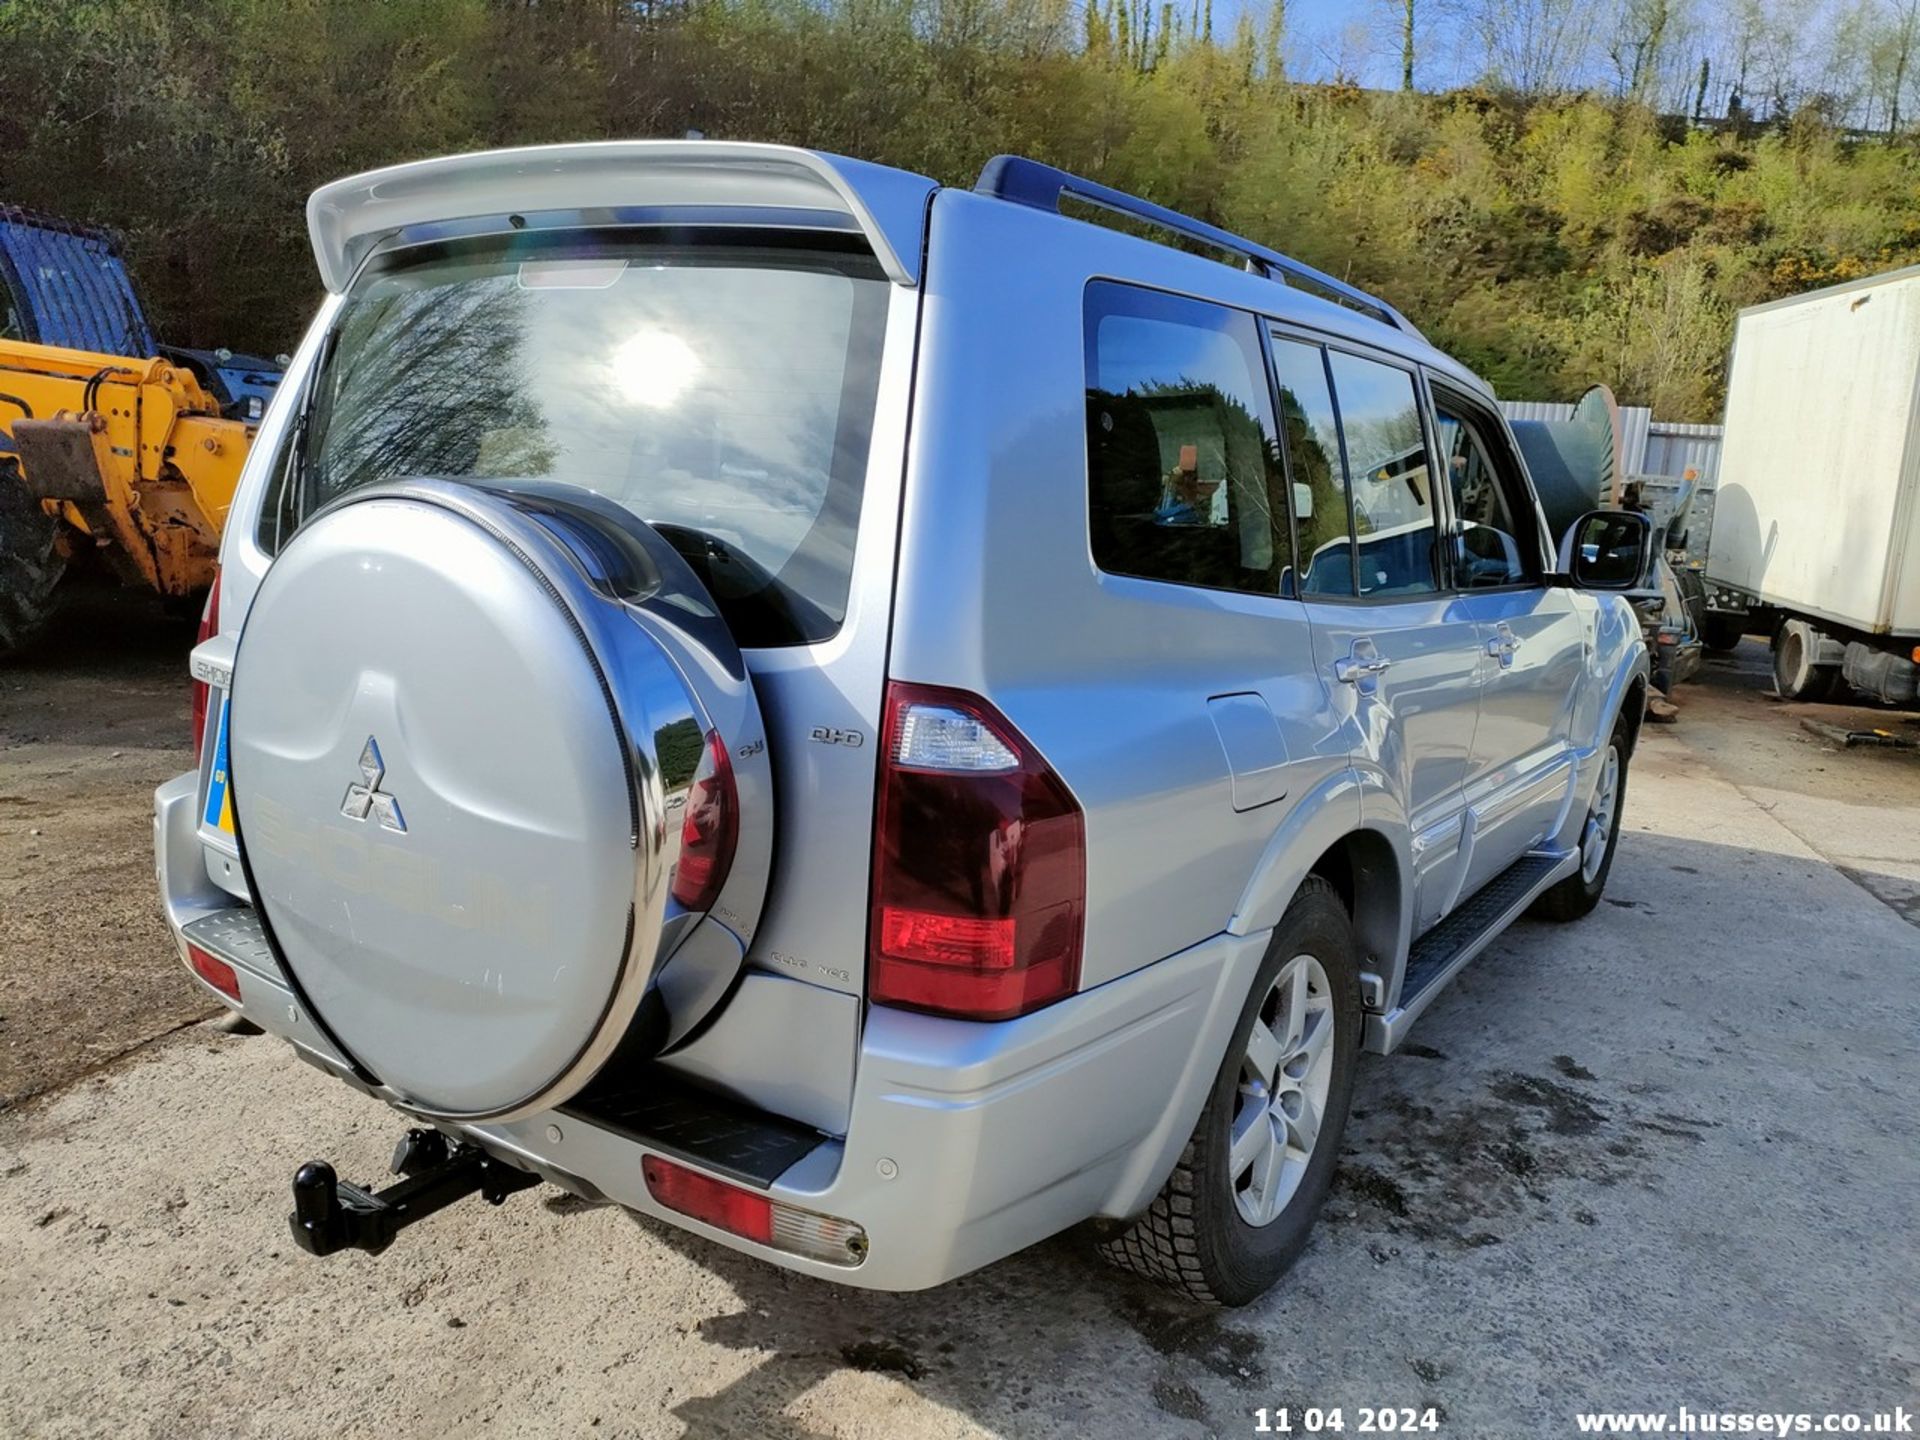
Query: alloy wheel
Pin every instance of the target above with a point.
(1606, 798)
(1286, 1075)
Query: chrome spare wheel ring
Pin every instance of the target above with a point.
(1286, 1075)
(1606, 799)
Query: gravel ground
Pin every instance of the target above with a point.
(90, 721)
(1665, 1156)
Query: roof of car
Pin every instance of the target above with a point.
(632, 180)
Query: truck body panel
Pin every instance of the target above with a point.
(1816, 512)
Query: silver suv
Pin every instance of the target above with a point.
(869, 721)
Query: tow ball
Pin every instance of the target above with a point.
(331, 1214)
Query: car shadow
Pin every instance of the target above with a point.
(1042, 1342)
(1569, 1104)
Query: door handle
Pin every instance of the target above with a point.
(1362, 667)
(1502, 644)
(1350, 671)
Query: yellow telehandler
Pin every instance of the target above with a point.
(133, 459)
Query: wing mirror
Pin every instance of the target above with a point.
(1608, 550)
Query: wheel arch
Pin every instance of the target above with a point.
(1633, 710)
(1351, 832)
(1362, 866)
(1625, 702)
(1371, 882)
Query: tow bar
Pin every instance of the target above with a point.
(331, 1214)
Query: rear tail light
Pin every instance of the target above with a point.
(979, 867)
(209, 627)
(754, 1216)
(709, 829)
(215, 971)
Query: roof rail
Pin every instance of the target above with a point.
(1029, 182)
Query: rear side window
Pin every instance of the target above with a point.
(1184, 474)
(722, 390)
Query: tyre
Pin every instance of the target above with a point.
(1795, 674)
(1576, 895)
(1236, 1212)
(1722, 633)
(30, 563)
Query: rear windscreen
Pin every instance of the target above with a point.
(723, 391)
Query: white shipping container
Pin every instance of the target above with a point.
(1818, 509)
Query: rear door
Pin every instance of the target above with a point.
(745, 392)
(1532, 636)
(1402, 652)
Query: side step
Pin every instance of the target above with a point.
(1444, 951)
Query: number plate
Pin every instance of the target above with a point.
(217, 814)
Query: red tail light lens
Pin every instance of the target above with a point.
(723, 1206)
(215, 971)
(209, 627)
(979, 867)
(709, 829)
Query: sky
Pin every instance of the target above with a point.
(1362, 39)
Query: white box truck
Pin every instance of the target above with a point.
(1816, 527)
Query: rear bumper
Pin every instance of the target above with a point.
(966, 1142)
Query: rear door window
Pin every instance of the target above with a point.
(1390, 481)
(721, 390)
(1362, 485)
(1311, 428)
(1184, 474)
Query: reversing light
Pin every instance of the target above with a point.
(979, 867)
(754, 1216)
(215, 971)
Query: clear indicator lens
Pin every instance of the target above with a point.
(818, 1237)
(934, 737)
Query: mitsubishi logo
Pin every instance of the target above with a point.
(369, 799)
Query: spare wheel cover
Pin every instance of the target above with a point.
(455, 822)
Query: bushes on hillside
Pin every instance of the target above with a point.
(1550, 242)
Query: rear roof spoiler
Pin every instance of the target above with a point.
(348, 218)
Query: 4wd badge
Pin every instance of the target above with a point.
(832, 735)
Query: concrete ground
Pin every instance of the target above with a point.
(1665, 1156)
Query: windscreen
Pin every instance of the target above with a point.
(721, 390)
